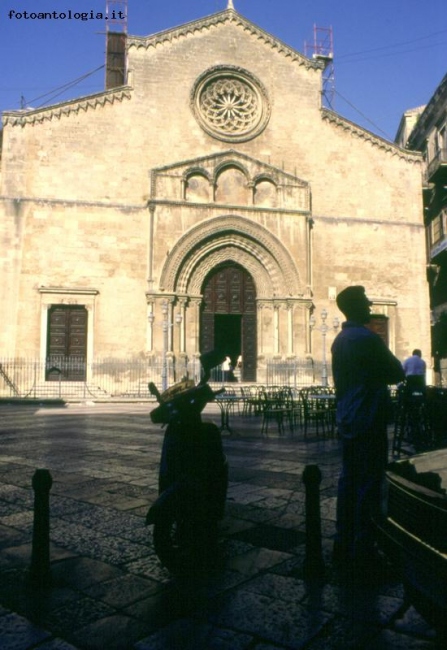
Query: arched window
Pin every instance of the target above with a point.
(231, 187)
(265, 193)
(197, 189)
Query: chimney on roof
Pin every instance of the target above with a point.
(115, 60)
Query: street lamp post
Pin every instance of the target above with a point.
(324, 328)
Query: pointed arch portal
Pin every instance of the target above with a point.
(228, 316)
(234, 238)
(238, 288)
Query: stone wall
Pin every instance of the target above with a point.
(81, 211)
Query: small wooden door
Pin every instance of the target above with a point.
(67, 343)
(378, 323)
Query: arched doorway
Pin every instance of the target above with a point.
(228, 316)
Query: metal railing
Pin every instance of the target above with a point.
(76, 378)
(109, 378)
(296, 372)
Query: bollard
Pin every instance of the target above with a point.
(313, 567)
(40, 575)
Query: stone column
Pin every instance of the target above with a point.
(195, 306)
(251, 187)
(307, 315)
(150, 247)
(182, 311)
(171, 325)
(43, 338)
(276, 348)
(90, 342)
(150, 326)
(290, 349)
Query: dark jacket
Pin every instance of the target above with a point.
(362, 367)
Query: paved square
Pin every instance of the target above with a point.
(108, 588)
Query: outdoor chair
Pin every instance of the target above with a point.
(252, 403)
(294, 407)
(274, 407)
(234, 399)
(319, 409)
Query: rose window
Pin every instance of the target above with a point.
(230, 105)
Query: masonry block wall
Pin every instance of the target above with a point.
(79, 210)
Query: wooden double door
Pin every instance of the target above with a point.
(228, 316)
(66, 343)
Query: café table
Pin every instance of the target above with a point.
(226, 402)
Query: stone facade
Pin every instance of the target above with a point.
(428, 135)
(216, 154)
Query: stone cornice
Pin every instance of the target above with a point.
(56, 111)
(375, 140)
(366, 220)
(227, 206)
(39, 200)
(72, 291)
(169, 36)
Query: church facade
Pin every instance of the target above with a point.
(209, 201)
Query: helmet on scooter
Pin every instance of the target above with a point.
(185, 395)
(181, 398)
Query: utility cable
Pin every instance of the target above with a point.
(387, 136)
(61, 89)
(394, 45)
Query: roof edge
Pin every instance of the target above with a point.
(428, 115)
(364, 134)
(31, 116)
(229, 15)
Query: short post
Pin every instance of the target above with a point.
(40, 575)
(313, 567)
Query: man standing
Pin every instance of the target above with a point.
(362, 367)
(414, 369)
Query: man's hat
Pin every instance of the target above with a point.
(351, 297)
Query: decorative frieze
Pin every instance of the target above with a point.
(170, 36)
(375, 140)
(64, 109)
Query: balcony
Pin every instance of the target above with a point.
(439, 247)
(437, 167)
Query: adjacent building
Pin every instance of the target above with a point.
(426, 132)
(208, 200)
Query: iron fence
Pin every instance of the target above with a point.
(109, 378)
(296, 372)
(76, 378)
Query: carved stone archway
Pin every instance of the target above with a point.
(281, 305)
(235, 239)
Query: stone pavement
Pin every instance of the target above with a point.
(108, 589)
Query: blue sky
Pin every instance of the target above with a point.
(389, 55)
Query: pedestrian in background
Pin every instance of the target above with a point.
(415, 369)
(363, 367)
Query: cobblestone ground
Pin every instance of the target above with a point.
(108, 589)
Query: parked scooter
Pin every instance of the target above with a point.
(193, 477)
